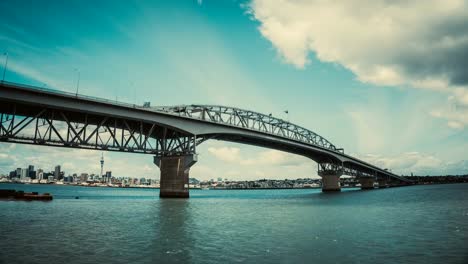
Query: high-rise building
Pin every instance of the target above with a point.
(108, 176)
(18, 172)
(57, 172)
(102, 164)
(31, 172)
(24, 174)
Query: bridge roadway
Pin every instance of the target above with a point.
(40, 116)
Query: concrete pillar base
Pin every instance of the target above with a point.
(331, 183)
(382, 183)
(174, 194)
(174, 182)
(366, 183)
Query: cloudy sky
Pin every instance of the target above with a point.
(385, 80)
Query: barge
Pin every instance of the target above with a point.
(21, 195)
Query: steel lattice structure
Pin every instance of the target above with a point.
(251, 120)
(53, 127)
(333, 168)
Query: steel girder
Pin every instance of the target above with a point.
(333, 168)
(53, 127)
(251, 120)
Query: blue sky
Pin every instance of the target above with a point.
(365, 96)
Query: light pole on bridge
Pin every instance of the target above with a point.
(5, 66)
(77, 81)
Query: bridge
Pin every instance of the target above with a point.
(171, 134)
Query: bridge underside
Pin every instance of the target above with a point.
(329, 167)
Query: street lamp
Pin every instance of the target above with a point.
(5, 66)
(78, 81)
(134, 92)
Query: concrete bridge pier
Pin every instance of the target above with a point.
(382, 183)
(331, 183)
(367, 183)
(174, 182)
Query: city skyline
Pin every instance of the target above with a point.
(388, 114)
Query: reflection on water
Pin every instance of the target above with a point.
(418, 224)
(173, 239)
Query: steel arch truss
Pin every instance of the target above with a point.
(63, 129)
(249, 120)
(334, 168)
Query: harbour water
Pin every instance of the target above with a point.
(417, 224)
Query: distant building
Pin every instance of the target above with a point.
(68, 179)
(108, 176)
(31, 173)
(40, 175)
(83, 177)
(193, 181)
(57, 172)
(24, 174)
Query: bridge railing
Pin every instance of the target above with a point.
(68, 94)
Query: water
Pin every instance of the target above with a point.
(418, 224)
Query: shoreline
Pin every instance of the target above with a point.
(220, 189)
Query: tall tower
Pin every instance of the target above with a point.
(102, 164)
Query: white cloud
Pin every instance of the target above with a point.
(200, 171)
(455, 112)
(248, 163)
(268, 157)
(275, 157)
(417, 163)
(380, 40)
(421, 44)
(229, 154)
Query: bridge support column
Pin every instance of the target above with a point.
(367, 183)
(331, 183)
(174, 182)
(382, 183)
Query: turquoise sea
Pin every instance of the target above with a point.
(417, 224)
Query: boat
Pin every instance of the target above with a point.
(21, 195)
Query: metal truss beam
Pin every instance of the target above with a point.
(334, 168)
(250, 120)
(51, 127)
